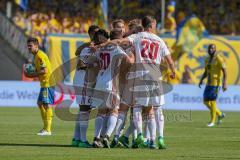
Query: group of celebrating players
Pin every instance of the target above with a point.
(120, 69)
(118, 75)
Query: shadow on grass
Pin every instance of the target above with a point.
(34, 145)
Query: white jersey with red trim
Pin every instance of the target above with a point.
(149, 50)
(79, 80)
(110, 60)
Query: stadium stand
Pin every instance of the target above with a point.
(11, 60)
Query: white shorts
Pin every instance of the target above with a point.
(148, 95)
(105, 99)
(83, 95)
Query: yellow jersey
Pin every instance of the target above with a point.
(41, 61)
(214, 70)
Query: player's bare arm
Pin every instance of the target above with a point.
(80, 48)
(112, 42)
(224, 85)
(170, 62)
(202, 78)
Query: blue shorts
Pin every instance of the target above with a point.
(211, 93)
(46, 95)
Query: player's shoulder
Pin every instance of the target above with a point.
(81, 48)
(41, 54)
(85, 51)
(127, 47)
(156, 37)
(206, 59)
(109, 47)
(220, 58)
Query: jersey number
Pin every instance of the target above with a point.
(149, 50)
(105, 60)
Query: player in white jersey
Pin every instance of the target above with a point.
(133, 27)
(149, 49)
(116, 24)
(110, 58)
(80, 82)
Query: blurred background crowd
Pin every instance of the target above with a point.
(71, 16)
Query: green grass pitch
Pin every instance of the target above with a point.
(186, 137)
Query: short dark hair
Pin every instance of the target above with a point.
(147, 21)
(114, 23)
(116, 33)
(33, 40)
(211, 45)
(134, 22)
(100, 36)
(92, 28)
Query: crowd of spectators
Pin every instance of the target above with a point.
(220, 17)
(71, 17)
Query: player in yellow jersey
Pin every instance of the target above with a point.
(46, 95)
(214, 69)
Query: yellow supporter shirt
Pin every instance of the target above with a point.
(214, 70)
(41, 61)
(166, 77)
(170, 24)
(20, 24)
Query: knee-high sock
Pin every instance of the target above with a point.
(214, 111)
(105, 125)
(48, 119)
(129, 129)
(159, 117)
(112, 121)
(214, 104)
(137, 119)
(120, 120)
(76, 135)
(146, 131)
(152, 127)
(43, 115)
(83, 121)
(209, 106)
(98, 126)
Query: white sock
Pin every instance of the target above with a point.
(134, 134)
(76, 135)
(159, 117)
(120, 120)
(98, 126)
(129, 129)
(112, 121)
(146, 130)
(84, 118)
(152, 128)
(105, 125)
(137, 119)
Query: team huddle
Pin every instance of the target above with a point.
(114, 76)
(119, 74)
